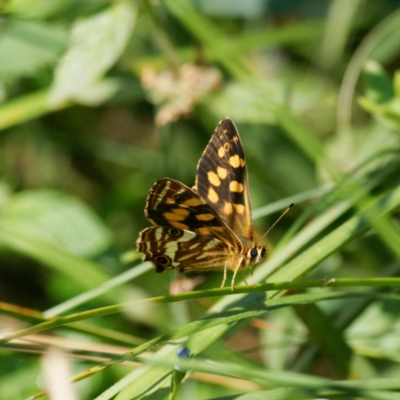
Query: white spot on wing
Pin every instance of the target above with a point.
(158, 234)
(211, 245)
(187, 236)
(162, 194)
(148, 248)
(186, 257)
(201, 256)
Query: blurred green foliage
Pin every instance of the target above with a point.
(99, 99)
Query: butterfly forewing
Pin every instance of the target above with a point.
(222, 179)
(170, 203)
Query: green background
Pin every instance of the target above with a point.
(313, 88)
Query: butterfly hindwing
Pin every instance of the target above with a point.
(185, 251)
(222, 179)
(170, 203)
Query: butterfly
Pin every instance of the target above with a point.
(208, 227)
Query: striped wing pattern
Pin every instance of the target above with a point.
(170, 203)
(185, 251)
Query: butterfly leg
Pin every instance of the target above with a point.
(233, 279)
(235, 272)
(224, 278)
(244, 276)
(251, 275)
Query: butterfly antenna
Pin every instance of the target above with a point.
(280, 217)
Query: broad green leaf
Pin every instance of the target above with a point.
(96, 43)
(57, 218)
(57, 230)
(40, 43)
(24, 240)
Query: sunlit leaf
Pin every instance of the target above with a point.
(96, 43)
